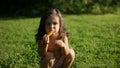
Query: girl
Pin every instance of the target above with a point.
(52, 40)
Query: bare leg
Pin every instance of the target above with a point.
(47, 61)
(69, 59)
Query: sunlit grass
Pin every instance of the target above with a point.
(95, 39)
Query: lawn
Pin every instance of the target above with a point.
(95, 39)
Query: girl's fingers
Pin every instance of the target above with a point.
(59, 43)
(46, 38)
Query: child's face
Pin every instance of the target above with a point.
(52, 23)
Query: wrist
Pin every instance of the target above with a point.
(43, 43)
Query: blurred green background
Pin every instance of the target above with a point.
(93, 25)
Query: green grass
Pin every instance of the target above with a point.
(95, 39)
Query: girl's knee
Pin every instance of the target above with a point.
(72, 53)
(69, 59)
(49, 56)
(48, 60)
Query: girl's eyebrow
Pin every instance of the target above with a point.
(48, 23)
(54, 22)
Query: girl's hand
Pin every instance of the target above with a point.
(46, 39)
(59, 43)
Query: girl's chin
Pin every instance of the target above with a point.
(53, 34)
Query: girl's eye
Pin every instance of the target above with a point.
(55, 23)
(48, 23)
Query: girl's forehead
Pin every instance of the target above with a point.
(53, 17)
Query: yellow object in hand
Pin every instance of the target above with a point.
(50, 33)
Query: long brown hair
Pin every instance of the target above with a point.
(41, 30)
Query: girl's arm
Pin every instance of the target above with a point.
(64, 45)
(65, 49)
(43, 46)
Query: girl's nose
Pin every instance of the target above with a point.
(52, 26)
